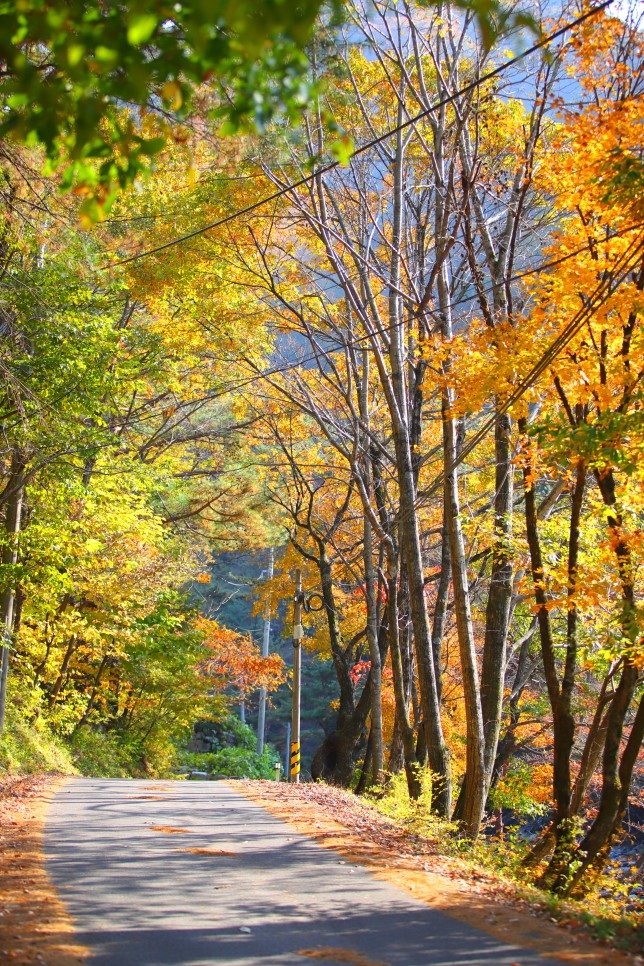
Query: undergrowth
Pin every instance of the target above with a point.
(27, 742)
(29, 748)
(610, 912)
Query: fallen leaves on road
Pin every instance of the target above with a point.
(34, 925)
(170, 830)
(197, 851)
(338, 820)
(339, 955)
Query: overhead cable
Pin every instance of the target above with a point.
(307, 179)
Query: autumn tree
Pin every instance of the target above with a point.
(591, 428)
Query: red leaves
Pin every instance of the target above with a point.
(359, 671)
(235, 660)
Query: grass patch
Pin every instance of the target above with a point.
(27, 747)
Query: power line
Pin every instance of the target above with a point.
(620, 271)
(292, 186)
(605, 288)
(358, 340)
(598, 298)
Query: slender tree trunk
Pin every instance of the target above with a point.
(334, 759)
(442, 599)
(475, 790)
(563, 728)
(396, 753)
(408, 519)
(590, 756)
(559, 868)
(508, 744)
(560, 695)
(499, 597)
(616, 774)
(406, 730)
(13, 515)
(92, 698)
(375, 734)
(593, 849)
(367, 767)
(62, 674)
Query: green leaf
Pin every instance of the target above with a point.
(18, 100)
(152, 146)
(106, 55)
(75, 54)
(141, 28)
(342, 149)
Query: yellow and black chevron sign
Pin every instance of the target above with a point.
(295, 758)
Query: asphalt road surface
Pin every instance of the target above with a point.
(236, 886)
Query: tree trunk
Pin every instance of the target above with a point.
(408, 517)
(334, 760)
(440, 604)
(616, 773)
(92, 698)
(562, 720)
(475, 787)
(13, 515)
(499, 597)
(375, 733)
(407, 736)
(62, 674)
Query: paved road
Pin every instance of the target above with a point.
(139, 899)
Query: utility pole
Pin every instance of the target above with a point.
(261, 716)
(287, 754)
(298, 634)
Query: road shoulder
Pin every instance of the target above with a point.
(335, 820)
(34, 924)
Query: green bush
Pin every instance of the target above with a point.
(243, 763)
(233, 762)
(515, 792)
(414, 816)
(234, 753)
(226, 732)
(29, 746)
(27, 743)
(103, 755)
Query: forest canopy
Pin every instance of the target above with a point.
(417, 374)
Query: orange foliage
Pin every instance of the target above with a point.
(235, 661)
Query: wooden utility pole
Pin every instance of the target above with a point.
(261, 714)
(298, 634)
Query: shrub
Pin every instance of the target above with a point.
(27, 743)
(103, 755)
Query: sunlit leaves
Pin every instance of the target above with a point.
(70, 66)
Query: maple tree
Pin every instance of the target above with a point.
(235, 660)
(597, 383)
(343, 234)
(318, 502)
(414, 267)
(574, 442)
